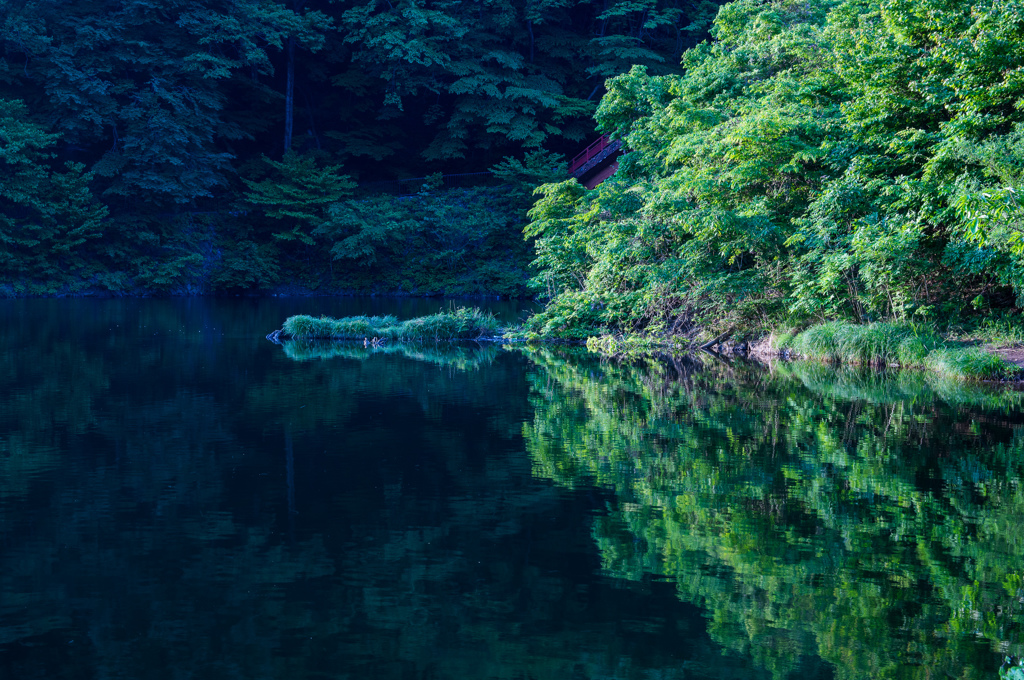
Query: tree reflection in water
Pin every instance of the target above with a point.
(180, 498)
(876, 520)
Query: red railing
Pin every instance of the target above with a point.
(590, 152)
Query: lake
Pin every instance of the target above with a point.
(181, 498)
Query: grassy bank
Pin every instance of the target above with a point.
(895, 344)
(463, 323)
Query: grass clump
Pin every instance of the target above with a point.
(899, 344)
(783, 340)
(969, 363)
(819, 342)
(463, 323)
(904, 344)
(323, 328)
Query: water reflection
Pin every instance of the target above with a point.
(458, 355)
(874, 520)
(181, 498)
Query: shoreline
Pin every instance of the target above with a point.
(971, 359)
(901, 345)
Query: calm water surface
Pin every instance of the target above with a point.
(180, 498)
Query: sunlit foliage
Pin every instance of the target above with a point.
(817, 160)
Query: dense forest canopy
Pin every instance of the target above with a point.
(787, 162)
(826, 159)
(166, 113)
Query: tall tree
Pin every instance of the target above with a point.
(47, 213)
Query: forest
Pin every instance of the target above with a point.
(186, 147)
(786, 162)
(834, 159)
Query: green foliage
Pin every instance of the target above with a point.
(462, 323)
(1011, 671)
(997, 329)
(48, 216)
(903, 344)
(783, 340)
(536, 168)
(819, 342)
(970, 363)
(486, 74)
(296, 193)
(306, 327)
(458, 241)
(175, 111)
(881, 343)
(144, 93)
(817, 161)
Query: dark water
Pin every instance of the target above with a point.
(180, 498)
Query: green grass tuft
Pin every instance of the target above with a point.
(905, 344)
(902, 344)
(819, 342)
(970, 363)
(458, 324)
(783, 340)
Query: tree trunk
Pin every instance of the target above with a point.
(289, 96)
(529, 27)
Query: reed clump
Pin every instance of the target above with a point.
(463, 323)
(903, 344)
(970, 362)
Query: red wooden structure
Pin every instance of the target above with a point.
(597, 162)
(591, 152)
